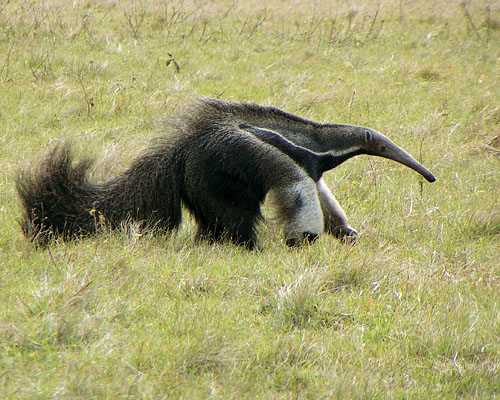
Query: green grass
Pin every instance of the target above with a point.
(412, 311)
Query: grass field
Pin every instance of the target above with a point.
(411, 311)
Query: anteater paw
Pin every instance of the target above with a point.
(306, 237)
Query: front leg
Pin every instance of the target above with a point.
(334, 217)
(299, 207)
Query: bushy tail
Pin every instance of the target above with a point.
(58, 199)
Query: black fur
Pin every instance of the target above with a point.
(59, 200)
(219, 160)
(313, 163)
(220, 172)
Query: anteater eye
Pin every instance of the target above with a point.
(368, 136)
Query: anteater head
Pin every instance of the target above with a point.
(346, 141)
(376, 144)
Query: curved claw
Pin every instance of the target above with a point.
(347, 235)
(307, 237)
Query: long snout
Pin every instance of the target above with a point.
(383, 147)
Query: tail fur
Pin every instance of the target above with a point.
(59, 200)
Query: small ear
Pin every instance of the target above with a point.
(368, 136)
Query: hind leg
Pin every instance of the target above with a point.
(234, 225)
(334, 217)
(209, 232)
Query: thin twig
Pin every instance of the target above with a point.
(350, 105)
(488, 23)
(373, 24)
(467, 14)
(88, 100)
(35, 68)
(135, 21)
(85, 27)
(490, 149)
(51, 257)
(5, 66)
(374, 174)
(256, 26)
(421, 181)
